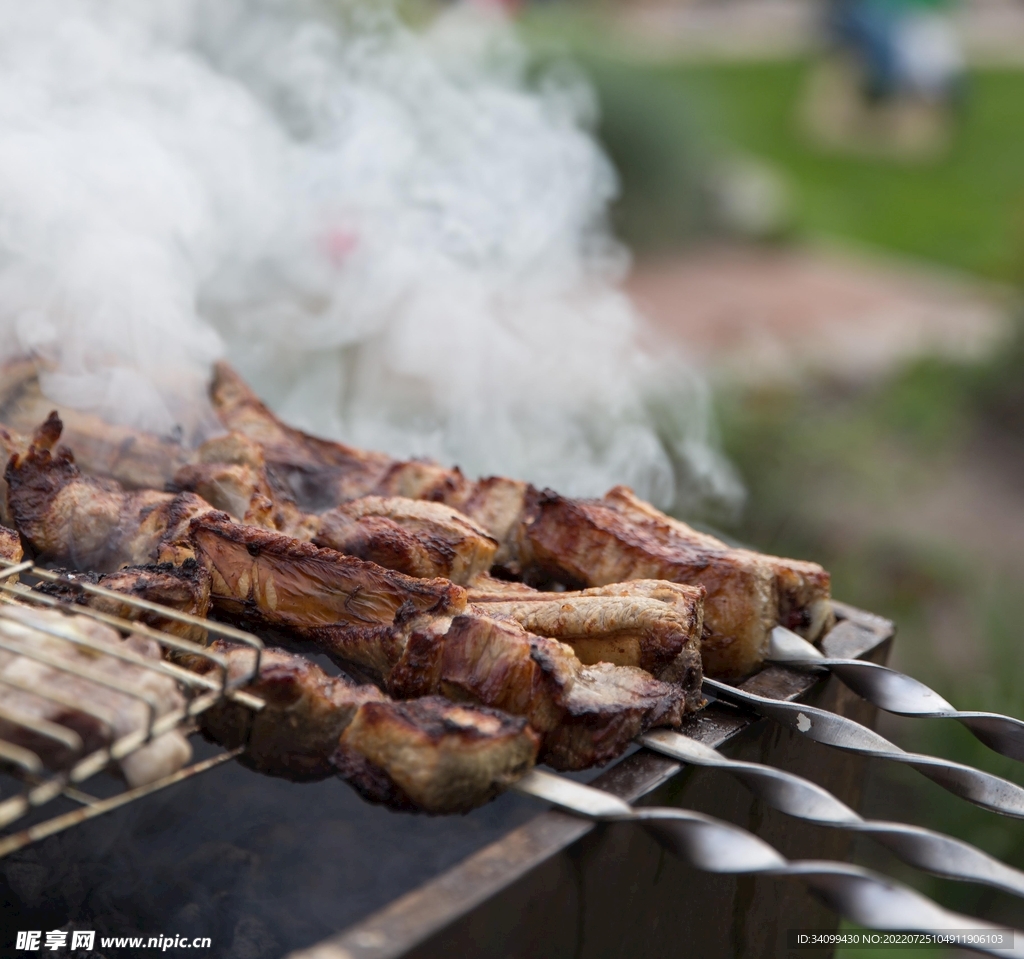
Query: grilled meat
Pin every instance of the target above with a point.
(415, 537)
(587, 715)
(574, 542)
(384, 623)
(230, 473)
(651, 624)
(428, 755)
(618, 538)
(73, 690)
(279, 581)
(412, 536)
(433, 755)
(89, 523)
(803, 588)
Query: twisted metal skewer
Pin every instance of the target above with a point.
(896, 692)
(803, 799)
(981, 788)
(861, 896)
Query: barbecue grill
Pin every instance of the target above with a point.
(527, 883)
(531, 884)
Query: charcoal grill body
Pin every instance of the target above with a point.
(269, 868)
(559, 886)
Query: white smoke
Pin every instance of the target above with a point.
(398, 237)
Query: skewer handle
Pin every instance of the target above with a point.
(861, 896)
(898, 693)
(931, 851)
(981, 788)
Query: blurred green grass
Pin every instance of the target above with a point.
(667, 126)
(838, 473)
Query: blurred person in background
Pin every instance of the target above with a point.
(891, 78)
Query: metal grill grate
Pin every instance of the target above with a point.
(35, 783)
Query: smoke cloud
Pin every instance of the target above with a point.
(399, 237)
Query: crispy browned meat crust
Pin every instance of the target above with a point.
(89, 523)
(306, 710)
(184, 587)
(230, 473)
(588, 715)
(411, 536)
(323, 474)
(432, 755)
(425, 756)
(652, 624)
(803, 588)
(591, 543)
(277, 580)
(320, 473)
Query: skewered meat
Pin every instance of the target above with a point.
(282, 582)
(596, 542)
(546, 536)
(231, 474)
(587, 714)
(411, 536)
(90, 523)
(384, 623)
(652, 624)
(73, 691)
(428, 755)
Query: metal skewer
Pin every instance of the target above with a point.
(896, 692)
(981, 788)
(803, 799)
(861, 896)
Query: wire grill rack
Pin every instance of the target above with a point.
(33, 783)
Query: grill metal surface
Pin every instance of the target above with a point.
(36, 786)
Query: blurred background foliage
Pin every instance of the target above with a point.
(908, 487)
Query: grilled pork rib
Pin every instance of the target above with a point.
(399, 631)
(546, 536)
(429, 755)
(72, 691)
(652, 624)
(380, 621)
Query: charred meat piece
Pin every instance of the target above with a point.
(411, 536)
(319, 473)
(587, 715)
(89, 523)
(433, 756)
(599, 542)
(184, 587)
(426, 756)
(803, 588)
(651, 624)
(306, 711)
(279, 581)
(71, 690)
(230, 473)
